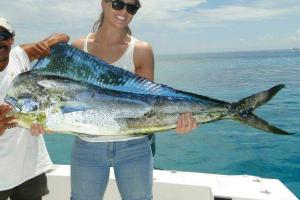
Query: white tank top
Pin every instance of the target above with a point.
(125, 62)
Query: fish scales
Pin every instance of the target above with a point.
(75, 93)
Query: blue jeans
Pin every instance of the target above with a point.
(132, 162)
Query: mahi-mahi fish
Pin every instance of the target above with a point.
(73, 92)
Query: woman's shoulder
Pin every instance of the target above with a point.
(142, 45)
(143, 59)
(79, 43)
(142, 48)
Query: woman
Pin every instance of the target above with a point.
(130, 157)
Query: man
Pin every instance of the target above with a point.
(23, 155)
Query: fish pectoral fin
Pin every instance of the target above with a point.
(69, 107)
(48, 84)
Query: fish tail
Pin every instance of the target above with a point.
(243, 110)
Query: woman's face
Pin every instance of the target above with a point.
(120, 18)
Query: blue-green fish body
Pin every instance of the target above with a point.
(73, 92)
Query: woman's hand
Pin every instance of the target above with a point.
(6, 122)
(186, 123)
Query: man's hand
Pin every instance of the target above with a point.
(37, 129)
(56, 38)
(38, 50)
(186, 123)
(41, 49)
(6, 122)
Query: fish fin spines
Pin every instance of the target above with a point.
(66, 61)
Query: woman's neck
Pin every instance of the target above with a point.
(111, 35)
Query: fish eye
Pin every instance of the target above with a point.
(28, 105)
(34, 107)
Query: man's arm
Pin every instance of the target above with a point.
(42, 48)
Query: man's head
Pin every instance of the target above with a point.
(6, 41)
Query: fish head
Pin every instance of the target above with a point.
(24, 104)
(23, 93)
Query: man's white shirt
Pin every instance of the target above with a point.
(22, 156)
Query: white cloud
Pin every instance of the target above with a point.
(194, 21)
(166, 13)
(156, 10)
(193, 13)
(239, 13)
(295, 37)
(52, 11)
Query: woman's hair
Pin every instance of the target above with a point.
(99, 22)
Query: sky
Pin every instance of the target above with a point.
(169, 26)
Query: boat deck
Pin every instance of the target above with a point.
(175, 185)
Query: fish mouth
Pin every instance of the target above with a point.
(13, 102)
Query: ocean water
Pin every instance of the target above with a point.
(228, 147)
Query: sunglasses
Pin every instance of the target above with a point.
(120, 5)
(5, 35)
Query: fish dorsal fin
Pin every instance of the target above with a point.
(68, 62)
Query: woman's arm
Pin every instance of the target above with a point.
(144, 66)
(144, 60)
